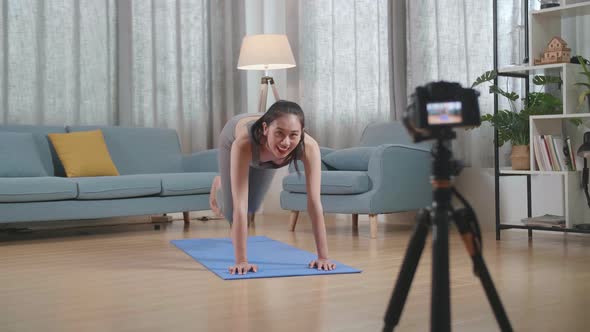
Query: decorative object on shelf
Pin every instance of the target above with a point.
(584, 152)
(266, 52)
(513, 126)
(520, 157)
(549, 3)
(555, 52)
(586, 93)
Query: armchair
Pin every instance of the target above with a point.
(385, 173)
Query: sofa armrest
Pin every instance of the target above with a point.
(323, 151)
(400, 177)
(203, 161)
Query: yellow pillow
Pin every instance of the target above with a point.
(84, 153)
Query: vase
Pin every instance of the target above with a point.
(520, 157)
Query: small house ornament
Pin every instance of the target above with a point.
(555, 52)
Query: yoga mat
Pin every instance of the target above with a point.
(274, 258)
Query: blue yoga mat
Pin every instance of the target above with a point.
(274, 258)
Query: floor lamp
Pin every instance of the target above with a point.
(266, 52)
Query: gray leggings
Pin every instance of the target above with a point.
(259, 180)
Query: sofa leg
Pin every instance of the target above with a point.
(251, 218)
(373, 220)
(186, 217)
(293, 220)
(355, 221)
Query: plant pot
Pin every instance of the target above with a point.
(520, 157)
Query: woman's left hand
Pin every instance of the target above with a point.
(322, 264)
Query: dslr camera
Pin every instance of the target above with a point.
(438, 106)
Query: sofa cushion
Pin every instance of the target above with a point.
(46, 151)
(84, 154)
(141, 150)
(175, 184)
(351, 159)
(333, 183)
(37, 189)
(124, 186)
(19, 156)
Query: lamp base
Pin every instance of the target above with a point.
(265, 82)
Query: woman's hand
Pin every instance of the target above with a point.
(322, 264)
(243, 268)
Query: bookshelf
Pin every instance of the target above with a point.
(540, 27)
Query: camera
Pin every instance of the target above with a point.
(440, 105)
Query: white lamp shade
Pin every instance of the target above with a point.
(265, 52)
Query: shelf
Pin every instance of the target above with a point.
(578, 9)
(541, 228)
(509, 171)
(526, 68)
(559, 116)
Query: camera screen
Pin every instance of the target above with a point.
(444, 113)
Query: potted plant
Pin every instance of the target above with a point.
(586, 93)
(513, 125)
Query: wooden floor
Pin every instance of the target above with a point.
(133, 279)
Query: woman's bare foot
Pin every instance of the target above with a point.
(212, 196)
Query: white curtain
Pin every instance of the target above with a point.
(141, 63)
(451, 40)
(58, 62)
(343, 66)
(181, 58)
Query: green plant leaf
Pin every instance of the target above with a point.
(545, 79)
(541, 103)
(511, 126)
(583, 84)
(583, 96)
(495, 89)
(485, 77)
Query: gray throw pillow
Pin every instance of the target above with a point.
(19, 156)
(350, 159)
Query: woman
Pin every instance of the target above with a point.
(252, 147)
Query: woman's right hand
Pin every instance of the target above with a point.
(243, 268)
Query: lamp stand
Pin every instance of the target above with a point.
(265, 82)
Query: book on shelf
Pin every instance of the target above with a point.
(554, 153)
(546, 220)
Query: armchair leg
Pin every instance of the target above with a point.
(186, 217)
(355, 221)
(293, 220)
(251, 217)
(373, 220)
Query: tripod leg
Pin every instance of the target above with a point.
(473, 246)
(407, 270)
(440, 305)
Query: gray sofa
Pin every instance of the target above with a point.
(385, 173)
(155, 177)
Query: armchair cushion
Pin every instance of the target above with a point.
(333, 183)
(351, 159)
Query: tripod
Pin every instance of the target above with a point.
(439, 215)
